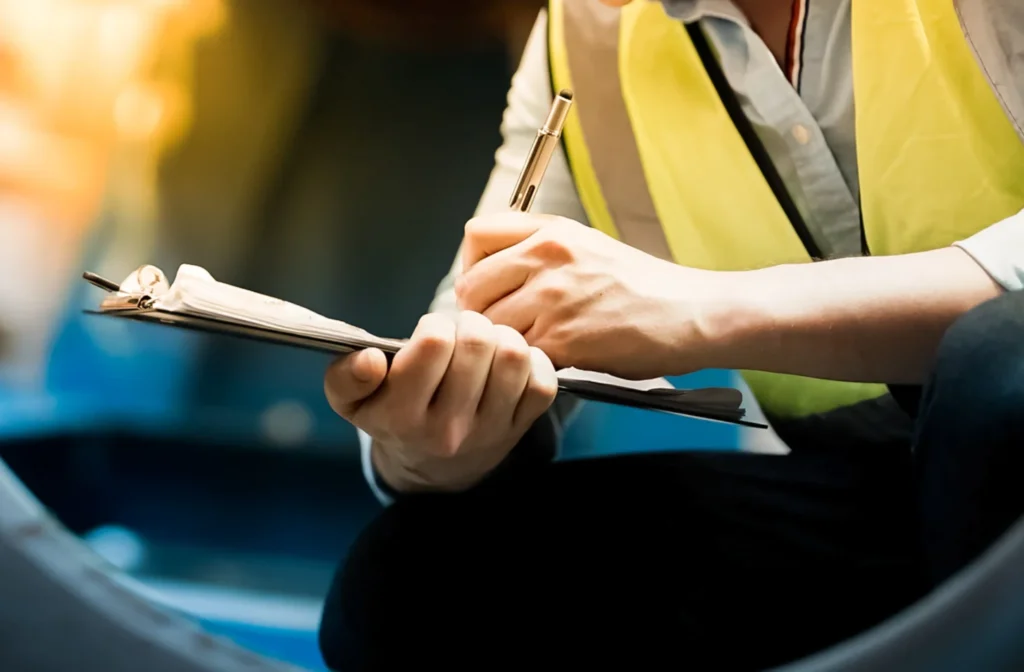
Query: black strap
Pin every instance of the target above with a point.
(749, 135)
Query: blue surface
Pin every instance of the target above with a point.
(603, 429)
(298, 647)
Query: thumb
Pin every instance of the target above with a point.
(352, 379)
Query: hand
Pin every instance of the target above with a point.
(458, 397)
(582, 297)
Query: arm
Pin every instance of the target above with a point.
(873, 319)
(529, 99)
(880, 319)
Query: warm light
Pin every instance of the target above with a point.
(75, 56)
(138, 112)
(92, 92)
(122, 33)
(15, 139)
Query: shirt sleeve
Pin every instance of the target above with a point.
(529, 100)
(999, 249)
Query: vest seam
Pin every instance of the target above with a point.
(1007, 108)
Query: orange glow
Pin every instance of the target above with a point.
(138, 112)
(91, 93)
(78, 78)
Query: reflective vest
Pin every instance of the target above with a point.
(658, 162)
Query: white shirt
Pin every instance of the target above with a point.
(803, 116)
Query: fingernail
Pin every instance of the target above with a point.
(359, 366)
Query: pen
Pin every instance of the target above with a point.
(540, 154)
(101, 282)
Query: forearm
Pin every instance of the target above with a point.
(871, 319)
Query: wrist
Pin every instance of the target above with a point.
(388, 476)
(534, 449)
(736, 318)
(432, 475)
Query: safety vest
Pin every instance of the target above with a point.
(659, 163)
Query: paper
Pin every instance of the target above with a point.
(196, 292)
(608, 379)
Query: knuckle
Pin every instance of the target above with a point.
(436, 343)
(436, 332)
(473, 226)
(542, 392)
(513, 356)
(475, 332)
(511, 349)
(542, 366)
(553, 245)
(552, 292)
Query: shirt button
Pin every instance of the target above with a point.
(801, 134)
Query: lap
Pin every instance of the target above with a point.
(675, 556)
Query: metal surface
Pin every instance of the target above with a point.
(975, 621)
(63, 608)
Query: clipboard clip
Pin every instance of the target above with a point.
(119, 300)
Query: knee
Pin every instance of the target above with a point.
(979, 364)
(414, 561)
(341, 621)
(360, 600)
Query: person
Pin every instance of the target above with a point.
(716, 150)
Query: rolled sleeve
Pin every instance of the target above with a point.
(999, 249)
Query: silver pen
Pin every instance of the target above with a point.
(540, 154)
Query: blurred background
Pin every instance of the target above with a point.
(265, 140)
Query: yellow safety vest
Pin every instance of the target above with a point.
(658, 163)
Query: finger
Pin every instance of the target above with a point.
(492, 279)
(517, 310)
(491, 233)
(508, 377)
(350, 380)
(420, 365)
(540, 391)
(463, 383)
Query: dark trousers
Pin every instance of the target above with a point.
(696, 560)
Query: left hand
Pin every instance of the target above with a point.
(585, 299)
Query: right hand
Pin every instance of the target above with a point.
(458, 397)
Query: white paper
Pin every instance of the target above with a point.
(195, 292)
(595, 377)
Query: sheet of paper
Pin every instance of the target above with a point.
(595, 377)
(195, 292)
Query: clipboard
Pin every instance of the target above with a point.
(147, 297)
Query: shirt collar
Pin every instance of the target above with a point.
(689, 11)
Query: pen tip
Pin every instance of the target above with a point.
(565, 93)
